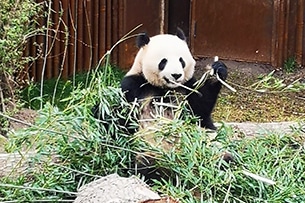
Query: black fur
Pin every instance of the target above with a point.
(142, 40)
(218, 68)
(181, 34)
(162, 64)
(136, 86)
(182, 62)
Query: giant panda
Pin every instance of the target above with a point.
(164, 66)
(163, 62)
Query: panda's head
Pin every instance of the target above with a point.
(164, 59)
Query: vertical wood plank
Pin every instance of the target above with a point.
(80, 36)
(95, 30)
(53, 70)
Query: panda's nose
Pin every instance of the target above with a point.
(176, 76)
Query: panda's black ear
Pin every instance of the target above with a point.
(180, 34)
(142, 40)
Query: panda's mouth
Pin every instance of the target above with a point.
(171, 83)
(166, 80)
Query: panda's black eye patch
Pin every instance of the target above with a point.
(162, 64)
(182, 62)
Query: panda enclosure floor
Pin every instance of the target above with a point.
(249, 106)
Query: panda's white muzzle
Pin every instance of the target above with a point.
(174, 79)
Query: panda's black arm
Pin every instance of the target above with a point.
(132, 86)
(203, 104)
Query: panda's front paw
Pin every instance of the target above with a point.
(221, 69)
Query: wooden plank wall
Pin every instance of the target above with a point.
(265, 31)
(81, 33)
(83, 30)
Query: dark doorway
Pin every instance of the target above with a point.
(179, 16)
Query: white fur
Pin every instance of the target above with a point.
(171, 48)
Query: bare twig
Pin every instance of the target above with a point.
(125, 37)
(185, 87)
(46, 55)
(64, 56)
(225, 84)
(3, 109)
(259, 178)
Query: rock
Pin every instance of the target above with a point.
(256, 129)
(116, 189)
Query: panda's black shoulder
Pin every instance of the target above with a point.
(132, 82)
(136, 86)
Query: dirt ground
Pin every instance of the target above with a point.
(249, 105)
(245, 68)
(248, 71)
(26, 115)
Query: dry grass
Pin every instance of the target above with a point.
(249, 105)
